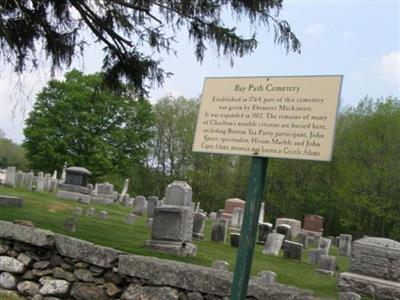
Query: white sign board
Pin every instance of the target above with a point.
(284, 117)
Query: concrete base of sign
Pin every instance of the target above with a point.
(73, 196)
(176, 248)
(368, 286)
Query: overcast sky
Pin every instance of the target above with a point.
(358, 39)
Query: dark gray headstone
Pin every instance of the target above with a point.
(11, 201)
(70, 224)
(284, 229)
(292, 250)
(264, 229)
(219, 229)
(235, 238)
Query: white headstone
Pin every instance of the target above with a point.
(10, 177)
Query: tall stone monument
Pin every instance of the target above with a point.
(172, 227)
(75, 186)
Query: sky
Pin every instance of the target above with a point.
(357, 39)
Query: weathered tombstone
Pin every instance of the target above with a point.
(237, 217)
(54, 175)
(374, 269)
(292, 250)
(313, 224)
(139, 205)
(28, 181)
(218, 231)
(267, 276)
(46, 184)
(295, 225)
(172, 230)
(235, 238)
(127, 201)
(78, 211)
(327, 264)
(314, 256)
(75, 186)
(124, 190)
(196, 209)
(220, 265)
(149, 223)
(91, 212)
(345, 245)
(160, 203)
(337, 240)
(63, 173)
(11, 201)
(349, 296)
(103, 193)
(261, 215)
(213, 215)
(53, 185)
(40, 182)
(324, 244)
(19, 179)
(131, 219)
(230, 204)
(313, 240)
(273, 244)
(103, 215)
(198, 225)
(302, 238)
(178, 193)
(10, 177)
(285, 230)
(151, 204)
(264, 229)
(70, 224)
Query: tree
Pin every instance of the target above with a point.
(80, 122)
(127, 27)
(11, 154)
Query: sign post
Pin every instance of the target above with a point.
(289, 117)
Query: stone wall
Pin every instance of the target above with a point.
(39, 264)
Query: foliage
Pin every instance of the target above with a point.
(11, 154)
(79, 122)
(127, 28)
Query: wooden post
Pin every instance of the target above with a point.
(248, 233)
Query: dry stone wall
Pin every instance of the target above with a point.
(41, 265)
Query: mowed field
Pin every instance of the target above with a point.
(48, 212)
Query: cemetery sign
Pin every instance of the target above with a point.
(283, 117)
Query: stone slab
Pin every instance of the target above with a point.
(175, 248)
(369, 286)
(11, 201)
(81, 198)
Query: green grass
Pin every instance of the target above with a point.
(48, 212)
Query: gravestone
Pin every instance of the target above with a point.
(295, 225)
(40, 182)
(139, 206)
(78, 211)
(11, 201)
(327, 264)
(314, 256)
(230, 204)
(151, 204)
(213, 215)
(219, 229)
(127, 201)
(178, 193)
(46, 184)
(103, 193)
(149, 223)
(53, 185)
(264, 229)
(292, 250)
(273, 244)
(345, 245)
(172, 230)
(28, 181)
(130, 219)
(313, 240)
(75, 186)
(196, 209)
(198, 225)
(313, 224)
(70, 224)
(285, 230)
(302, 238)
(262, 211)
(337, 240)
(324, 244)
(267, 276)
(103, 215)
(374, 269)
(19, 179)
(220, 265)
(235, 238)
(10, 177)
(237, 217)
(91, 212)
(124, 190)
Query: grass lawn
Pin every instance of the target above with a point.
(49, 212)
